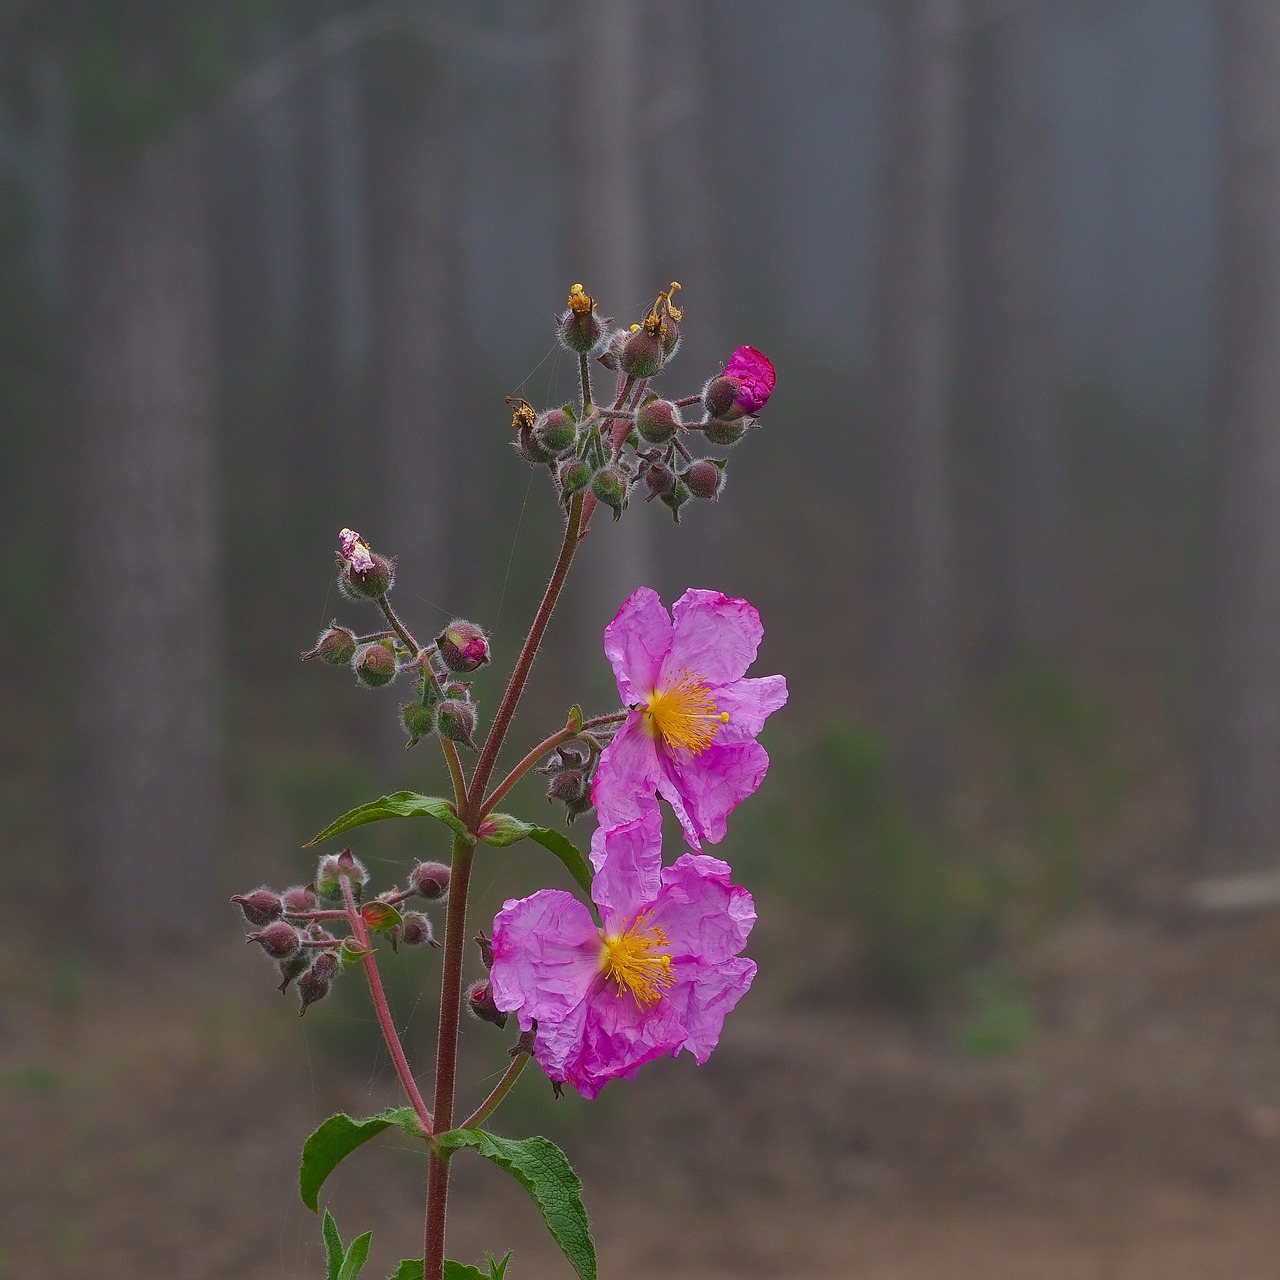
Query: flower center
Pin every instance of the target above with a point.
(683, 714)
(635, 961)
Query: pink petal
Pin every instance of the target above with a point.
(711, 785)
(635, 642)
(705, 916)
(705, 1000)
(620, 1036)
(628, 863)
(715, 637)
(749, 704)
(627, 775)
(756, 377)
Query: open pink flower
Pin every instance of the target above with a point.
(658, 975)
(754, 373)
(691, 733)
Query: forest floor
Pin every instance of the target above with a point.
(151, 1128)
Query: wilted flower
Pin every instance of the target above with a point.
(694, 719)
(658, 976)
(355, 551)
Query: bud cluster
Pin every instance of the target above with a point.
(571, 770)
(642, 443)
(293, 926)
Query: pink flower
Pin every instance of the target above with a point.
(354, 551)
(691, 733)
(658, 975)
(753, 371)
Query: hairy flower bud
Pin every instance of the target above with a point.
(568, 786)
(676, 498)
(657, 421)
(260, 907)
(705, 478)
(375, 664)
(556, 432)
(363, 574)
(718, 398)
(659, 479)
(316, 982)
(573, 475)
(289, 969)
(430, 880)
(724, 432)
(579, 329)
(456, 720)
(463, 646)
(279, 940)
(333, 869)
(419, 721)
(612, 353)
(336, 645)
(610, 485)
(754, 373)
(641, 355)
(298, 898)
(480, 1002)
(416, 930)
(485, 943)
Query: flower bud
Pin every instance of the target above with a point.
(579, 328)
(657, 420)
(430, 880)
(705, 478)
(416, 930)
(718, 398)
(480, 1002)
(298, 898)
(568, 786)
(676, 499)
(641, 355)
(419, 721)
(754, 373)
(456, 720)
(610, 485)
(312, 986)
(572, 476)
(485, 943)
(463, 646)
(279, 940)
(336, 645)
(289, 969)
(364, 575)
(575, 810)
(556, 432)
(333, 868)
(659, 479)
(375, 664)
(611, 356)
(260, 907)
(725, 431)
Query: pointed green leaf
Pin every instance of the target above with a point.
(411, 1269)
(357, 1256)
(574, 725)
(351, 952)
(498, 1270)
(546, 1174)
(578, 867)
(337, 1138)
(399, 804)
(381, 916)
(502, 829)
(332, 1246)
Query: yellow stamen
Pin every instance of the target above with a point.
(655, 323)
(579, 300)
(683, 714)
(524, 414)
(634, 960)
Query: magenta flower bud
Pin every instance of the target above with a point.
(754, 373)
(610, 486)
(641, 355)
(336, 645)
(456, 720)
(657, 421)
(279, 940)
(430, 880)
(579, 329)
(416, 930)
(480, 1002)
(260, 907)
(705, 478)
(463, 646)
(298, 898)
(375, 665)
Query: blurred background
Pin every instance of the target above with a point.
(268, 268)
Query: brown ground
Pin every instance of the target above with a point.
(153, 1130)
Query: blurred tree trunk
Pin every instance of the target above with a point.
(610, 256)
(1240, 768)
(147, 789)
(913, 545)
(1006, 338)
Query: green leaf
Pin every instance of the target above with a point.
(357, 1256)
(411, 1269)
(546, 1174)
(332, 1246)
(462, 1271)
(502, 829)
(498, 1270)
(399, 804)
(336, 1139)
(351, 952)
(574, 725)
(578, 867)
(380, 916)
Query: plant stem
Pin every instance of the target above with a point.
(449, 749)
(586, 383)
(455, 936)
(547, 744)
(389, 1033)
(520, 674)
(500, 1091)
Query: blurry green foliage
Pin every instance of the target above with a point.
(1001, 1016)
